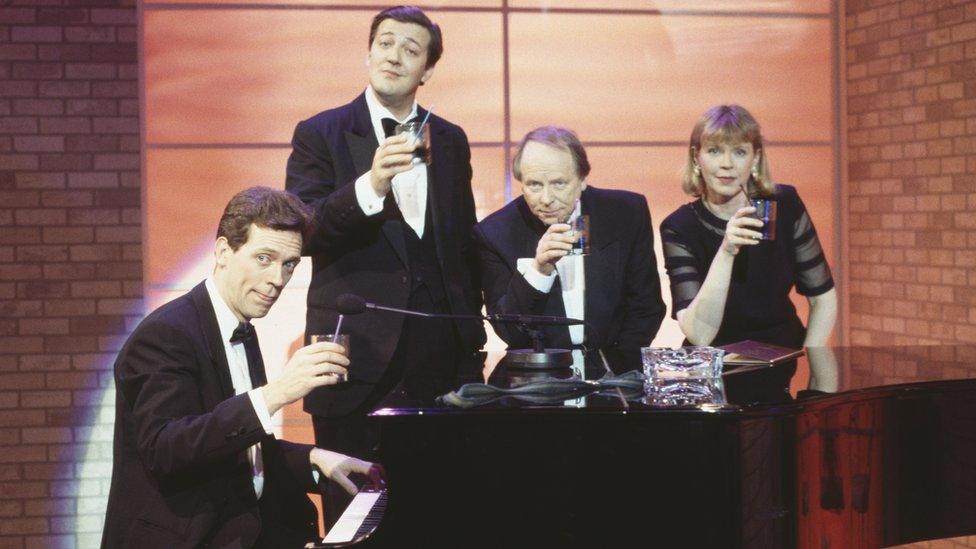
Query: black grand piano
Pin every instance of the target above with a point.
(845, 447)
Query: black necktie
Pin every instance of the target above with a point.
(244, 333)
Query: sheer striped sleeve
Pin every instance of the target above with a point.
(682, 267)
(812, 272)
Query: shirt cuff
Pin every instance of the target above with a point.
(537, 280)
(366, 196)
(261, 408)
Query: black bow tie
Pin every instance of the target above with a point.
(243, 332)
(389, 125)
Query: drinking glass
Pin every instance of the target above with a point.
(341, 339)
(765, 212)
(581, 231)
(419, 134)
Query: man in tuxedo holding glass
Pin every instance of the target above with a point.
(527, 267)
(393, 229)
(195, 461)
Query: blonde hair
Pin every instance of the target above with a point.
(726, 124)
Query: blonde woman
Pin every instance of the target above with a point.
(727, 283)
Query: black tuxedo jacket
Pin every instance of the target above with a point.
(366, 255)
(623, 308)
(180, 474)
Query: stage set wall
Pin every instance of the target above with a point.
(125, 128)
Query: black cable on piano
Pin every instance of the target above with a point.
(544, 391)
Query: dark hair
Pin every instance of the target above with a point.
(264, 207)
(412, 14)
(555, 136)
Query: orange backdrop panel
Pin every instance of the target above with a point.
(708, 6)
(247, 76)
(187, 191)
(775, 6)
(370, 6)
(488, 181)
(652, 76)
(189, 188)
(217, 78)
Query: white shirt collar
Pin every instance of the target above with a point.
(378, 112)
(226, 319)
(577, 210)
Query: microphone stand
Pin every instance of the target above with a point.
(536, 358)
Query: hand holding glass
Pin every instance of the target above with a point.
(581, 232)
(765, 212)
(341, 339)
(420, 134)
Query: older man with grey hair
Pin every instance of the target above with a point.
(527, 268)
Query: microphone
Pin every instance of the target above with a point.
(352, 304)
(536, 358)
(538, 320)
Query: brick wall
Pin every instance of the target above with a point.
(70, 257)
(911, 102)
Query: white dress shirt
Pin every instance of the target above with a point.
(572, 280)
(240, 377)
(409, 188)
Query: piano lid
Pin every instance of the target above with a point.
(820, 373)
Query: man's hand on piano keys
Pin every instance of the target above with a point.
(338, 467)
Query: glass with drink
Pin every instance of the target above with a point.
(420, 134)
(765, 212)
(341, 339)
(581, 233)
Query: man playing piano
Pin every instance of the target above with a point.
(195, 462)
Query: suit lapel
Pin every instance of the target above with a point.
(437, 185)
(362, 142)
(360, 138)
(211, 334)
(361, 149)
(600, 266)
(393, 229)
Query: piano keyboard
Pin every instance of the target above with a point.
(360, 518)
